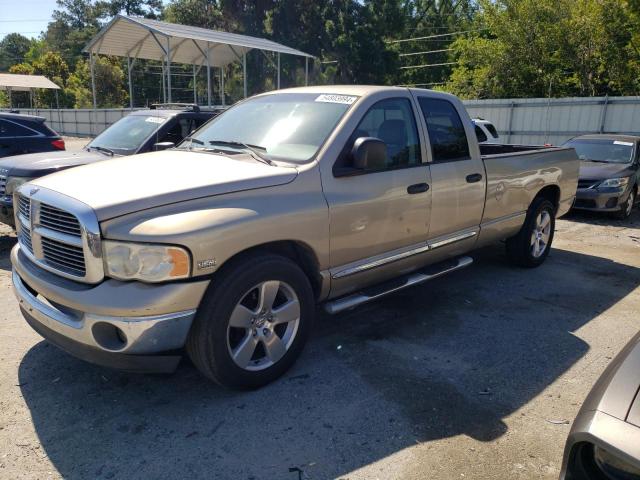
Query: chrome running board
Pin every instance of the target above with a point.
(371, 293)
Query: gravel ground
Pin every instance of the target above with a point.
(470, 376)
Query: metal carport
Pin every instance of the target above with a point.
(25, 83)
(142, 38)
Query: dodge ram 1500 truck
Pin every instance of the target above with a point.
(223, 247)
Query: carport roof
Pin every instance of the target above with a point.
(24, 83)
(149, 39)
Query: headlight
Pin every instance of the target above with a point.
(13, 183)
(148, 263)
(615, 182)
(614, 467)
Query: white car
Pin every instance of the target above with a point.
(485, 131)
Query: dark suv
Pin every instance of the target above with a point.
(26, 134)
(162, 126)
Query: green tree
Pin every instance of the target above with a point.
(109, 77)
(536, 48)
(140, 8)
(13, 49)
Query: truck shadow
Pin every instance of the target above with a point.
(450, 357)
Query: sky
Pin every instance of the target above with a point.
(28, 17)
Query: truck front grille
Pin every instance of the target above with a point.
(60, 235)
(59, 220)
(24, 206)
(24, 237)
(64, 257)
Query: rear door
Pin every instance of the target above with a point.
(457, 174)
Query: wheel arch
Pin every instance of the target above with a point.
(297, 251)
(549, 192)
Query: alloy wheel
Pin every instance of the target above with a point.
(263, 325)
(541, 234)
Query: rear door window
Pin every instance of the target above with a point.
(446, 130)
(11, 129)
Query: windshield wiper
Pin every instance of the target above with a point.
(103, 150)
(255, 149)
(192, 140)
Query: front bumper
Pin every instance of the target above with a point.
(6, 211)
(609, 200)
(102, 323)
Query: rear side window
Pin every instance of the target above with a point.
(480, 134)
(492, 129)
(446, 131)
(393, 122)
(11, 129)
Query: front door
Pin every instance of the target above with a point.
(377, 215)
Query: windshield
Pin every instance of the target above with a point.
(609, 151)
(287, 126)
(128, 133)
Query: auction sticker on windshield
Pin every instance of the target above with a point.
(154, 119)
(345, 99)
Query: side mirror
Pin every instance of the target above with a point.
(369, 153)
(163, 146)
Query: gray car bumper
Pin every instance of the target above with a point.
(597, 200)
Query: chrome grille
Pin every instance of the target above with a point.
(60, 234)
(3, 185)
(59, 220)
(24, 206)
(62, 256)
(24, 237)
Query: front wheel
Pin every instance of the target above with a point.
(530, 247)
(253, 322)
(627, 207)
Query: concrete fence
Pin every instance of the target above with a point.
(522, 120)
(79, 122)
(541, 120)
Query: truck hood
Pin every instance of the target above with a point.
(39, 164)
(601, 171)
(129, 184)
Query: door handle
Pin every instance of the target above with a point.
(474, 177)
(417, 188)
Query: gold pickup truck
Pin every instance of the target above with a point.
(225, 245)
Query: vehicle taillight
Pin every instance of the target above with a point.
(59, 144)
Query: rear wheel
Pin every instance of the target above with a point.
(253, 322)
(530, 247)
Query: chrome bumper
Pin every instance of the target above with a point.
(125, 335)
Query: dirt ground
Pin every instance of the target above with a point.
(477, 375)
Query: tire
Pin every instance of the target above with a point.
(238, 344)
(530, 247)
(627, 207)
